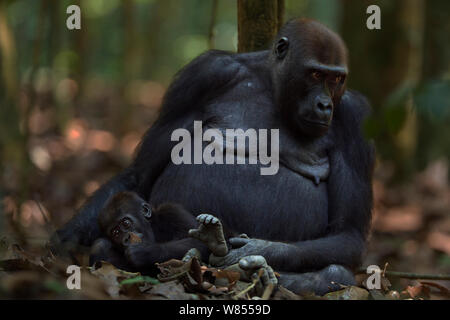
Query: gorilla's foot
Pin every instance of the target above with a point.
(192, 253)
(210, 232)
(320, 282)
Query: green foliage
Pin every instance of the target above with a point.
(55, 286)
(395, 111)
(139, 279)
(432, 100)
(150, 40)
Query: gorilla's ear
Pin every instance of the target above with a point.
(146, 210)
(281, 47)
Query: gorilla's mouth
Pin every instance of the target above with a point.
(135, 237)
(311, 123)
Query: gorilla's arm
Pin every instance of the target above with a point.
(182, 104)
(144, 256)
(350, 203)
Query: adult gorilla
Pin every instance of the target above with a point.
(314, 213)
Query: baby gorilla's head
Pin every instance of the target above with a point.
(125, 220)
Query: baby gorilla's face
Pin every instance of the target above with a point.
(125, 220)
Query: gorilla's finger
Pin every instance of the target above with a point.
(191, 254)
(238, 242)
(269, 276)
(272, 277)
(201, 218)
(194, 233)
(252, 262)
(208, 219)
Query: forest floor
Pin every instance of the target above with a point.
(410, 234)
(410, 227)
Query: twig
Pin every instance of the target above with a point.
(251, 286)
(411, 275)
(268, 291)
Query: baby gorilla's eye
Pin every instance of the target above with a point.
(126, 223)
(115, 232)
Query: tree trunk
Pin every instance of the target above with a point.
(258, 23)
(212, 24)
(409, 57)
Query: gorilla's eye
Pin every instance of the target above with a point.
(126, 223)
(338, 79)
(115, 232)
(316, 75)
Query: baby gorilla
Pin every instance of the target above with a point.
(136, 236)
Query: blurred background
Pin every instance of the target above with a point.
(75, 103)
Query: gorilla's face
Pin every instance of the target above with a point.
(128, 229)
(125, 220)
(309, 75)
(322, 87)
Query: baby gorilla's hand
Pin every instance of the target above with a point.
(138, 255)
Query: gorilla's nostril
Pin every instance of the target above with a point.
(324, 106)
(126, 239)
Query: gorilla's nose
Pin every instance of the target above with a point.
(126, 239)
(324, 107)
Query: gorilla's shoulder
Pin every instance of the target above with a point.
(354, 106)
(214, 65)
(351, 113)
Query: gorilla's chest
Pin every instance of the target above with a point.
(303, 155)
(286, 206)
(289, 205)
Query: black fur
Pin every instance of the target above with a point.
(163, 235)
(312, 226)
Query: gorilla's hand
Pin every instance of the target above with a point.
(139, 255)
(252, 264)
(62, 243)
(242, 247)
(253, 268)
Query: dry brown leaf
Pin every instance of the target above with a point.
(349, 293)
(403, 218)
(111, 277)
(442, 290)
(415, 292)
(172, 290)
(284, 294)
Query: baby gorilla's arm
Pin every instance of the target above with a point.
(210, 232)
(103, 250)
(143, 255)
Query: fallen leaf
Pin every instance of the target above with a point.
(349, 293)
(285, 294)
(172, 290)
(416, 292)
